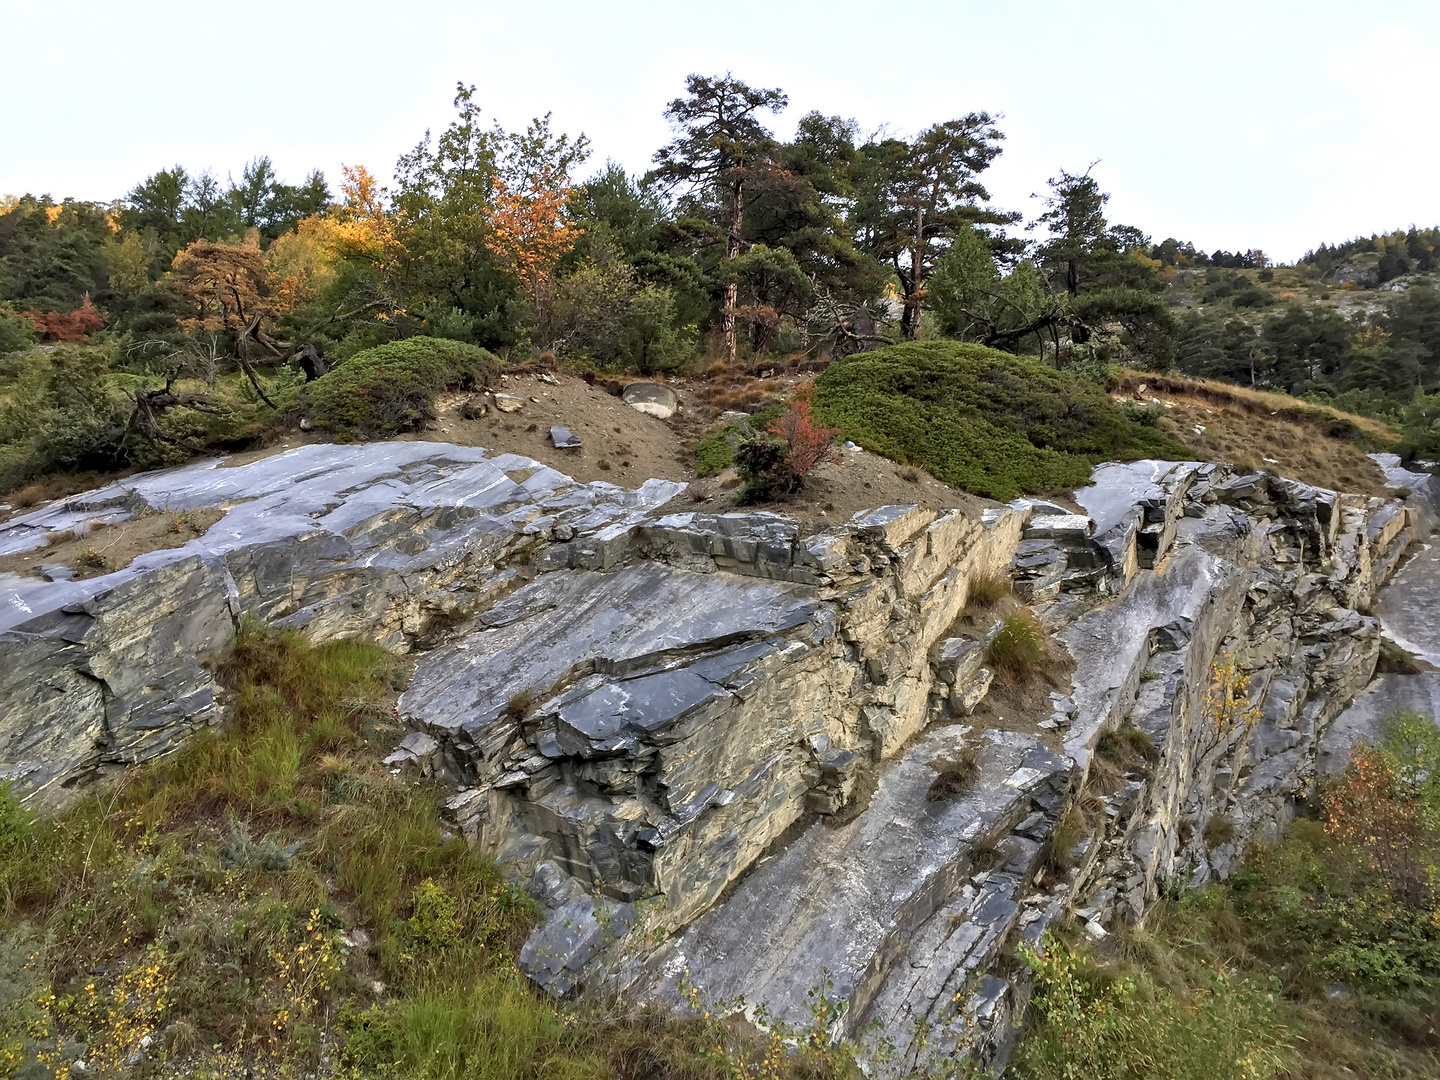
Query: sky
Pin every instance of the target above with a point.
(1272, 124)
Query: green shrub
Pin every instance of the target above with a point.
(61, 409)
(15, 333)
(716, 452)
(992, 423)
(391, 388)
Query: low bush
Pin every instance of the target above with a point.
(716, 452)
(989, 422)
(775, 464)
(391, 388)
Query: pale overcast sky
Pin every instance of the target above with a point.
(1260, 124)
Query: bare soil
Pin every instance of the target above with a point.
(107, 548)
(625, 446)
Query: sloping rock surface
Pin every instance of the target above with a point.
(743, 737)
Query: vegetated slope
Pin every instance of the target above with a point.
(995, 424)
(1318, 958)
(1260, 430)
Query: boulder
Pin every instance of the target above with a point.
(651, 398)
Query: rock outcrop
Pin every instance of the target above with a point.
(709, 742)
(390, 541)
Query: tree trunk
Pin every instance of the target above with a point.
(732, 287)
(910, 321)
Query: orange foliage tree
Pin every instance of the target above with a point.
(529, 232)
(1369, 808)
(225, 286)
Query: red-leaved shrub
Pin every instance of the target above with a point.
(67, 325)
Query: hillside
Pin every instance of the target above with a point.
(777, 616)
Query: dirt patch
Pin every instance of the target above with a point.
(1256, 431)
(618, 444)
(106, 548)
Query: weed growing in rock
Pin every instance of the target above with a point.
(1226, 705)
(89, 560)
(954, 775)
(1019, 650)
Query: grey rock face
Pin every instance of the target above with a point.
(719, 726)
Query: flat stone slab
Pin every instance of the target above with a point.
(1117, 488)
(564, 438)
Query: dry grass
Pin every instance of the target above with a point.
(987, 590)
(1267, 402)
(954, 775)
(1258, 430)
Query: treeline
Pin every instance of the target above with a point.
(736, 243)
(199, 309)
(1400, 252)
(1374, 365)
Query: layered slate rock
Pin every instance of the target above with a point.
(844, 905)
(654, 726)
(388, 541)
(674, 721)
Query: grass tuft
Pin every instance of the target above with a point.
(987, 590)
(1019, 651)
(954, 776)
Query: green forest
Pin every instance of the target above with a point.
(188, 315)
